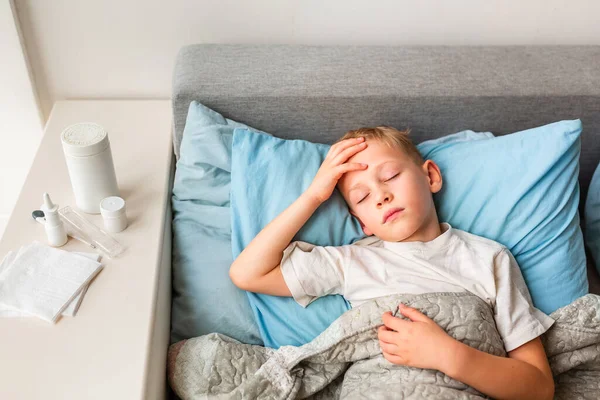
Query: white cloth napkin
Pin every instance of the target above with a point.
(72, 308)
(42, 281)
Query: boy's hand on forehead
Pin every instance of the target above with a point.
(334, 166)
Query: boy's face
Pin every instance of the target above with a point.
(391, 181)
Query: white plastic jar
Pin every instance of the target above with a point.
(113, 213)
(90, 164)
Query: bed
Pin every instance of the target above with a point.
(318, 92)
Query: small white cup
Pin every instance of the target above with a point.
(113, 213)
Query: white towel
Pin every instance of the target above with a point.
(42, 280)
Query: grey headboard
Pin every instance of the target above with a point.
(319, 92)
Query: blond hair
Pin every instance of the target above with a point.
(391, 137)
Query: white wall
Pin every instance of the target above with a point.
(20, 121)
(126, 48)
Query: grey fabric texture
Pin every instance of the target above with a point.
(345, 361)
(317, 93)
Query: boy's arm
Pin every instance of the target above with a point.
(525, 374)
(257, 268)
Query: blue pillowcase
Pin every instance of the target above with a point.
(204, 298)
(592, 218)
(520, 190)
(267, 175)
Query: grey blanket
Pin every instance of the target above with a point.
(345, 361)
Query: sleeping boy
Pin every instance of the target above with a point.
(389, 188)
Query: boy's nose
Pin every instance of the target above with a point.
(385, 197)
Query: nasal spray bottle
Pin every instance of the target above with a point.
(55, 228)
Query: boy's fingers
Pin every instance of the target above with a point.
(347, 167)
(392, 358)
(344, 144)
(349, 152)
(394, 323)
(386, 336)
(390, 348)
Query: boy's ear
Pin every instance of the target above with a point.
(434, 175)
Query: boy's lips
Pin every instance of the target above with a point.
(389, 213)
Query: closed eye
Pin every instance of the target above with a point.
(358, 202)
(393, 177)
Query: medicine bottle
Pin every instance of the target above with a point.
(113, 213)
(90, 165)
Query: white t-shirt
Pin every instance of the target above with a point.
(455, 261)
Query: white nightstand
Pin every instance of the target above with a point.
(115, 348)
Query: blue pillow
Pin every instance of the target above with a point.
(592, 218)
(521, 190)
(267, 175)
(204, 298)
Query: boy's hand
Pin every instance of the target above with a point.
(334, 166)
(419, 342)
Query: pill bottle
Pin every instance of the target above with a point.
(90, 165)
(113, 213)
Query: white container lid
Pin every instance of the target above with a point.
(112, 207)
(84, 139)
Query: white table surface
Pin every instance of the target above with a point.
(102, 352)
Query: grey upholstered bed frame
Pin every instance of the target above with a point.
(319, 92)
